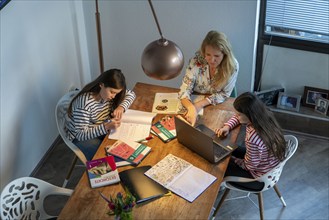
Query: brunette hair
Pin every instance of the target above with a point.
(226, 68)
(263, 122)
(112, 78)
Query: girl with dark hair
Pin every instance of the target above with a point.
(97, 109)
(265, 145)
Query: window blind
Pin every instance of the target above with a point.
(305, 19)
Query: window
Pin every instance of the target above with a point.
(296, 24)
(298, 19)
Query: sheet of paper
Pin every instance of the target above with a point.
(135, 125)
(181, 177)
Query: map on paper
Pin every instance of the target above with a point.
(180, 177)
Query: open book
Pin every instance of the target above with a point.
(180, 177)
(169, 103)
(135, 125)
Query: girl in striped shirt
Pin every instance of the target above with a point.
(97, 109)
(265, 146)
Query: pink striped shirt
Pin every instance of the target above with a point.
(258, 160)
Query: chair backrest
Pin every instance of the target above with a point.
(234, 93)
(23, 198)
(61, 115)
(272, 177)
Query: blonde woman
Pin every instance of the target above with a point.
(213, 71)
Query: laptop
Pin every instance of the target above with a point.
(203, 141)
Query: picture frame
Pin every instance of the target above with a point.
(3, 3)
(289, 102)
(311, 94)
(321, 106)
(269, 96)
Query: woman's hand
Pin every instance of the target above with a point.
(222, 132)
(117, 113)
(191, 115)
(113, 124)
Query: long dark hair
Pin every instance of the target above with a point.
(113, 78)
(263, 122)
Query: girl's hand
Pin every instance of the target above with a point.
(117, 113)
(222, 132)
(113, 124)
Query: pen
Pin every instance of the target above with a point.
(145, 139)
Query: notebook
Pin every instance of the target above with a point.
(203, 141)
(140, 186)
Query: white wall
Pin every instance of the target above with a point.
(294, 69)
(41, 59)
(128, 26)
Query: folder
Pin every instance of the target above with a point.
(140, 186)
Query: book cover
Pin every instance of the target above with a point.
(165, 128)
(180, 177)
(102, 172)
(140, 186)
(128, 150)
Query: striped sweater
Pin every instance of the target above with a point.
(258, 160)
(89, 115)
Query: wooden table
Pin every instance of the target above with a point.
(86, 203)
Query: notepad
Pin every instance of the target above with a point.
(180, 177)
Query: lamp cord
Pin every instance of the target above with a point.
(155, 18)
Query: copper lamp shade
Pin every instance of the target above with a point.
(162, 59)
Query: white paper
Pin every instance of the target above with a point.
(180, 177)
(135, 125)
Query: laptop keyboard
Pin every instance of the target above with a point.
(219, 151)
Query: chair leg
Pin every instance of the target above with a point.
(261, 208)
(221, 202)
(279, 195)
(68, 175)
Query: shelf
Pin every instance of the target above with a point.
(303, 112)
(305, 121)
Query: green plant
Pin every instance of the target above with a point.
(121, 205)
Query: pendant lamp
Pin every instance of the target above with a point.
(162, 59)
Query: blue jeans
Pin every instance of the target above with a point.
(89, 147)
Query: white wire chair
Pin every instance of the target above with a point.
(23, 198)
(61, 118)
(269, 179)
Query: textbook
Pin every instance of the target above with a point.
(165, 128)
(166, 103)
(180, 177)
(135, 125)
(128, 150)
(102, 172)
(169, 103)
(140, 186)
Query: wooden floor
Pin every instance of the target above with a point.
(304, 184)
